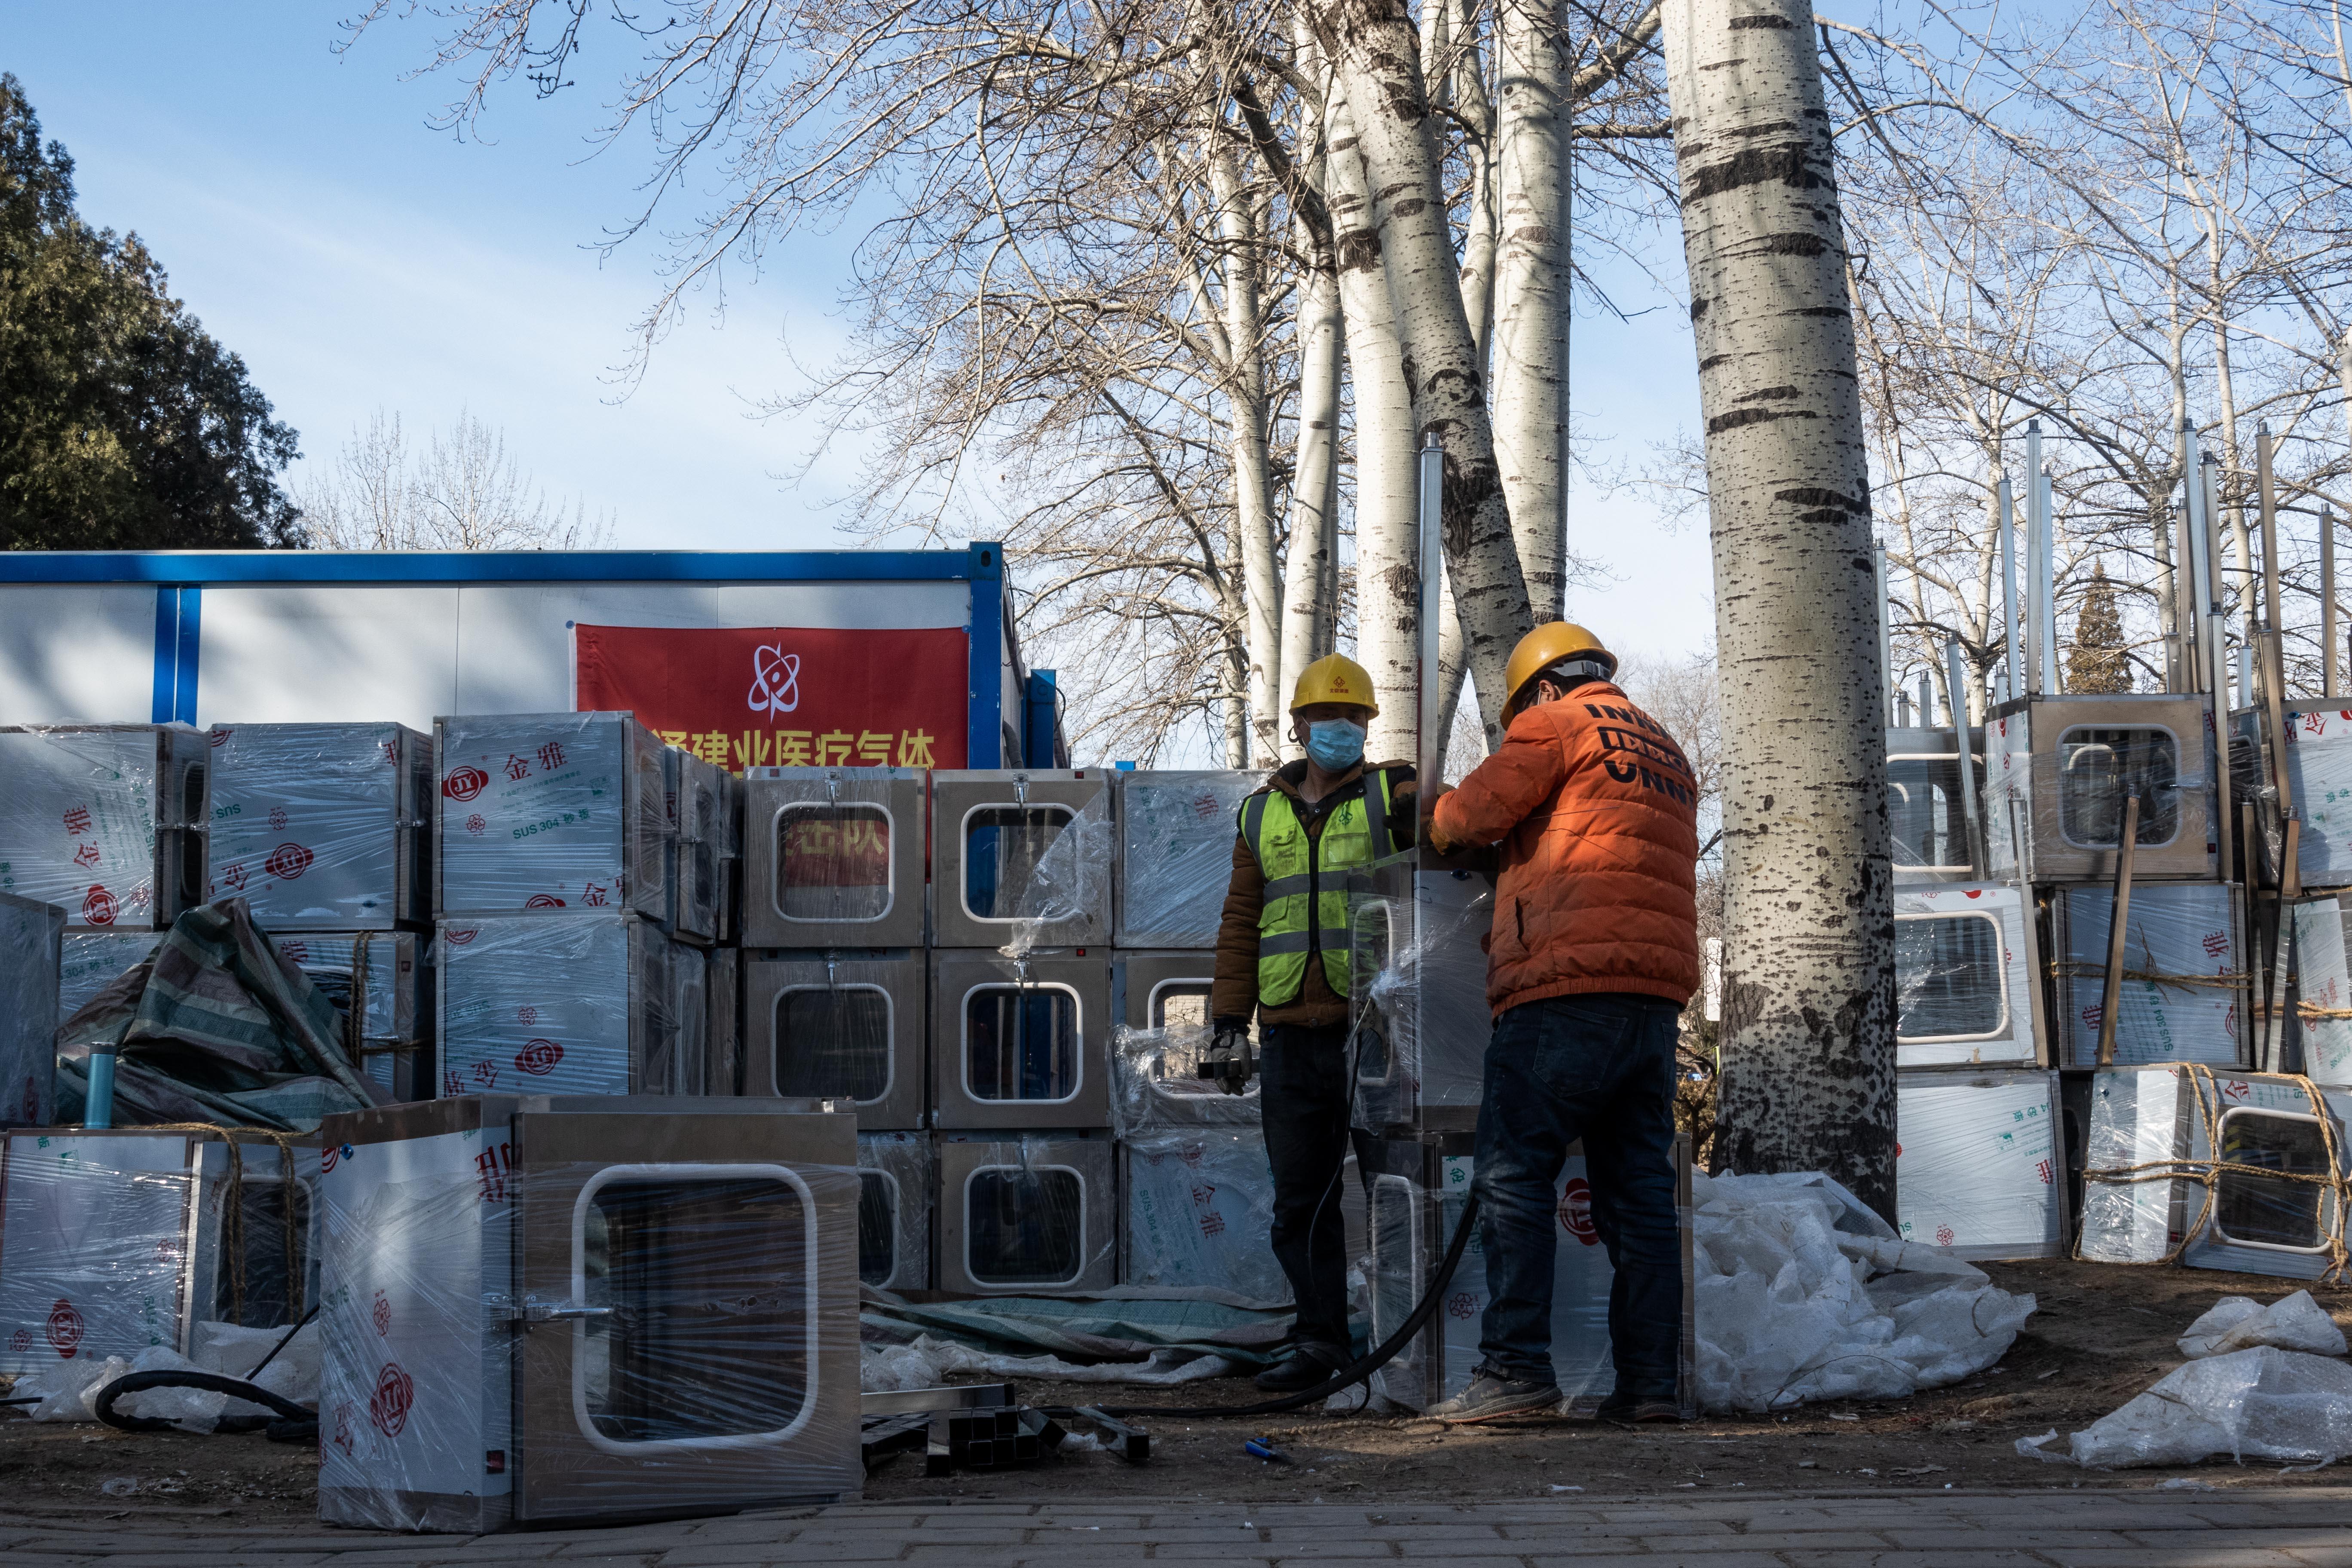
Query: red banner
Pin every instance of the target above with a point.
(755, 697)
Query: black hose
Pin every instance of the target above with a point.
(211, 1383)
(287, 1339)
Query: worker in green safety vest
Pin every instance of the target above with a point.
(1283, 957)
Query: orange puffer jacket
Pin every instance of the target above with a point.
(1596, 810)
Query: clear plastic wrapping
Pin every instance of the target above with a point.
(1927, 811)
(113, 1242)
(1156, 1089)
(1977, 1168)
(541, 1312)
(322, 827)
(2183, 996)
(1065, 879)
(833, 858)
(2319, 767)
(898, 1179)
(2322, 986)
(842, 1025)
(32, 957)
(2231, 1170)
(1198, 1206)
(724, 991)
(1021, 1042)
(1027, 1214)
(105, 821)
(541, 812)
(1420, 1019)
(2060, 772)
(585, 1004)
(703, 841)
(1963, 977)
(1021, 860)
(1176, 836)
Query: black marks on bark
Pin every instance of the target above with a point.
(1789, 165)
(1801, 244)
(1774, 392)
(1711, 361)
(1764, 19)
(1698, 307)
(1410, 208)
(1808, 496)
(1738, 417)
(1360, 250)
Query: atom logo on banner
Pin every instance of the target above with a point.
(288, 860)
(1575, 1211)
(538, 1058)
(388, 1406)
(97, 906)
(65, 1327)
(769, 693)
(465, 783)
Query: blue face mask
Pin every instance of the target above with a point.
(1335, 744)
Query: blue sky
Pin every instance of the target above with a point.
(359, 258)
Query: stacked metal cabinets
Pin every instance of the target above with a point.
(1196, 1195)
(1965, 987)
(897, 1176)
(2319, 769)
(1980, 1162)
(2183, 996)
(2061, 769)
(105, 821)
(546, 812)
(700, 798)
(32, 959)
(1417, 1189)
(547, 1310)
(1160, 990)
(1176, 835)
(843, 1023)
(833, 858)
(1934, 804)
(1021, 857)
(2240, 1172)
(1417, 997)
(323, 827)
(1027, 1214)
(111, 1242)
(724, 1031)
(1021, 1043)
(586, 1003)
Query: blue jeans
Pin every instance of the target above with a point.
(1600, 1068)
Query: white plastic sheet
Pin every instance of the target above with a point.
(68, 1389)
(2293, 1322)
(1804, 1294)
(2258, 1404)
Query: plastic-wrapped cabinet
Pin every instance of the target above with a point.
(323, 826)
(32, 958)
(724, 991)
(1419, 988)
(689, 1011)
(1927, 806)
(1964, 968)
(702, 824)
(542, 811)
(1020, 1042)
(585, 1004)
(2319, 766)
(2183, 997)
(898, 1177)
(551, 1309)
(1977, 1162)
(2323, 985)
(842, 1025)
(1417, 1191)
(1155, 1086)
(111, 1242)
(1176, 833)
(1197, 1207)
(2059, 769)
(833, 858)
(2157, 1134)
(105, 821)
(997, 877)
(1030, 1214)
(1162, 990)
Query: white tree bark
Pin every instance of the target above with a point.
(1310, 567)
(1239, 223)
(1375, 54)
(1807, 1030)
(1530, 338)
(1388, 611)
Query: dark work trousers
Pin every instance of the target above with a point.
(1303, 1098)
(1600, 1068)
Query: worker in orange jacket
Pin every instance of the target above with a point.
(1594, 954)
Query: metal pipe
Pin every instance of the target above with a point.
(2037, 580)
(2329, 658)
(2011, 652)
(2209, 564)
(1886, 684)
(1956, 686)
(2052, 678)
(1429, 748)
(2118, 919)
(2184, 599)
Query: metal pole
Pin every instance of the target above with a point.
(2011, 648)
(2118, 915)
(1956, 682)
(2216, 674)
(1886, 634)
(2037, 578)
(2274, 676)
(1429, 748)
(2051, 679)
(2184, 599)
(2329, 658)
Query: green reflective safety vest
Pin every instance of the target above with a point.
(1306, 908)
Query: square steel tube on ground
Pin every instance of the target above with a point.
(2059, 771)
(2184, 995)
(1416, 1193)
(898, 1183)
(1978, 1162)
(1027, 1214)
(323, 826)
(580, 1004)
(1157, 990)
(833, 858)
(1176, 833)
(1020, 1043)
(1965, 988)
(543, 1310)
(32, 960)
(105, 821)
(2151, 1189)
(113, 1241)
(990, 830)
(845, 1024)
(545, 812)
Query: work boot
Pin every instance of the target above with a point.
(1307, 1364)
(1639, 1412)
(1490, 1398)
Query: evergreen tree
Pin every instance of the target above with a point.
(123, 425)
(2097, 663)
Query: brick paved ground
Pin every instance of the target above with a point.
(2301, 1528)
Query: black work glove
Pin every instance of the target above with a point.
(1229, 1055)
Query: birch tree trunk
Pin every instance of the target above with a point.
(1375, 58)
(1388, 610)
(1239, 221)
(1531, 310)
(1808, 1029)
(1310, 567)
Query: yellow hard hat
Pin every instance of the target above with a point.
(1545, 647)
(1334, 677)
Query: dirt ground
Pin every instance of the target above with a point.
(2101, 1335)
